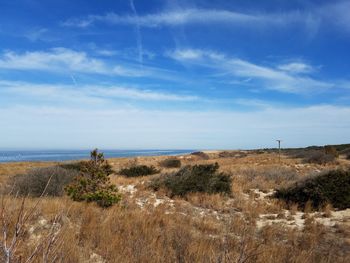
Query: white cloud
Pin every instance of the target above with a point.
(169, 18)
(274, 78)
(137, 128)
(131, 93)
(88, 93)
(65, 60)
(296, 67)
(310, 19)
(193, 54)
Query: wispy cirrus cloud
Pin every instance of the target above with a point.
(36, 34)
(88, 93)
(296, 67)
(51, 60)
(310, 19)
(286, 79)
(68, 60)
(167, 18)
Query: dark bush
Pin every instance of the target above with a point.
(341, 147)
(332, 187)
(259, 151)
(138, 170)
(197, 178)
(93, 184)
(171, 163)
(34, 182)
(234, 154)
(319, 157)
(345, 151)
(331, 150)
(202, 155)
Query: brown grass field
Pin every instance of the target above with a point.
(148, 226)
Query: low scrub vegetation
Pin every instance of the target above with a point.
(138, 170)
(274, 173)
(202, 227)
(202, 155)
(171, 163)
(51, 179)
(330, 188)
(320, 157)
(345, 151)
(331, 150)
(93, 184)
(76, 166)
(317, 155)
(191, 179)
(234, 154)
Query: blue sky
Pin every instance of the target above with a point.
(174, 74)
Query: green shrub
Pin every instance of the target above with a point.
(171, 163)
(93, 184)
(138, 170)
(34, 182)
(197, 178)
(332, 187)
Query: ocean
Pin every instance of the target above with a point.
(69, 155)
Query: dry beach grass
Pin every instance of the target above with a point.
(148, 226)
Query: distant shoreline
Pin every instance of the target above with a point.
(75, 155)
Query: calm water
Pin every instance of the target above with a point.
(61, 155)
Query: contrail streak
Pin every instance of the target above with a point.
(138, 32)
(73, 79)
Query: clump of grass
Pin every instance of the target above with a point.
(274, 173)
(171, 163)
(330, 188)
(138, 170)
(34, 182)
(197, 178)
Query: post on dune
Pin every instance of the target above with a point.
(279, 150)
